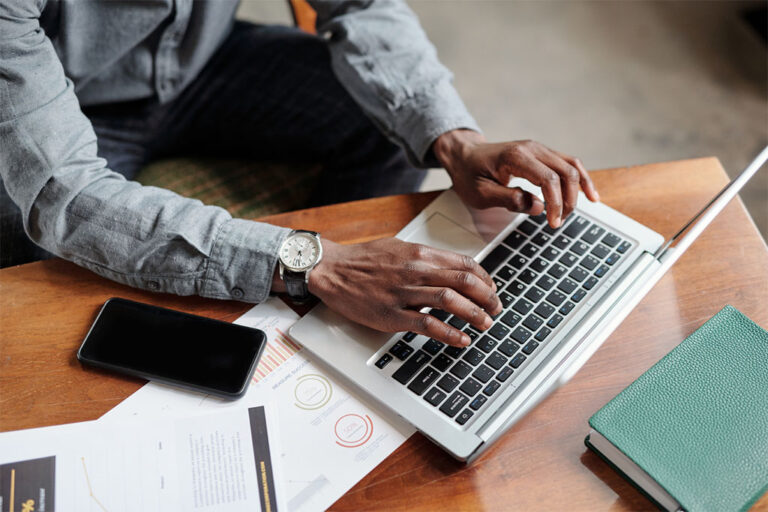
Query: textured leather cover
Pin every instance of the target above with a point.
(697, 421)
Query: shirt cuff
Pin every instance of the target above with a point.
(243, 261)
(424, 118)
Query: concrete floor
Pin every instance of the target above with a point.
(615, 83)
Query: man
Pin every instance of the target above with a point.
(92, 90)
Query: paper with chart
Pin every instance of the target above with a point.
(213, 462)
(330, 438)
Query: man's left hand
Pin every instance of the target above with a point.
(480, 172)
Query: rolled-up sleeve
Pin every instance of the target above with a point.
(76, 207)
(383, 58)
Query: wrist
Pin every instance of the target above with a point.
(319, 277)
(452, 147)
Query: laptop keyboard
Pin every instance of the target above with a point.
(541, 274)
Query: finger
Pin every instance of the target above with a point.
(513, 199)
(451, 301)
(467, 284)
(542, 176)
(440, 259)
(569, 178)
(586, 181)
(430, 326)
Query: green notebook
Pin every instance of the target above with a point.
(692, 431)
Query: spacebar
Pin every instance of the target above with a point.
(411, 366)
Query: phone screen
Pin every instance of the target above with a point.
(173, 347)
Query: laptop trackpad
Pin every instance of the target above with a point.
(442, 233)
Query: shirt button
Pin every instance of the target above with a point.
(237, 293)
(153, 285)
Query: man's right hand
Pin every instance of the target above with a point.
(383, 284)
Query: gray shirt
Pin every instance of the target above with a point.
(58, 55)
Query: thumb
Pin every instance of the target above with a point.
(513, 199)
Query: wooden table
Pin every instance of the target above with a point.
(47, 307)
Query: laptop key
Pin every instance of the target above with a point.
(515, 239)
(454, 404)
(491, 388)
(506, 299)
(521, 335)
(440, 314)
(534, 294)
(567, 286)
(593, 234)
(561, 242)
(540, 218)
(496, 360)
(461, 369)
(515, 288)
(470, 387)
(557, 271)
(473, 356)
(486, 344)
(499, 282)
(529, 250)
(530, 347)
(566, 308)
(621, 249)
(613, 258)
(554, 321)
(579, 248)
(495, 258)
(541, 239)
(383, 361)
(580, 293)
(400, 350)
(499, 331)
(464, 416)
(454, 352)
(411, 366)
(533, 322)
(542, 334)
(550, 253)
(589, 262)
(504, 374)
(425, 379)
(539, 264)
(511, 318)
(517, 261)
(483, 373)
(448, 383)
(611, 240)
(528, 276)
(409, 336)
(473, 334)
(522, 306)
(568, 259)
(527, 227)
(578, 274)
(545, 283)
(432, 346)
(589, 283)
(457, 322)
(544, 310)
(555, 298)
(435, 396)
(600, 251)
(506, 273)
(508, 348)
(576, 226)
(442, 362)
(600, 272)
(517, 361)
(477, 402)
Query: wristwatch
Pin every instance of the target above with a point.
(300, 252)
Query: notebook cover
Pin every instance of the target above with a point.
(697, 421)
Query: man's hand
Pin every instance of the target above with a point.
(383, 284)
(480, 172)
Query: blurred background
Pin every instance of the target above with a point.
(615, 83)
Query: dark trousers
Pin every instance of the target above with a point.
(268, 94)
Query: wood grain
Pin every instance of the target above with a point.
(47, 307)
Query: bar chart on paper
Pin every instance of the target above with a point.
(278, 350)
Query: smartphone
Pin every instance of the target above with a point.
(176, 348)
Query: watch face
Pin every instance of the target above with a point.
(300, 251)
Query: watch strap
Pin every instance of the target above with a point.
(296, 285)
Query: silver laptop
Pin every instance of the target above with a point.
(564, 291)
